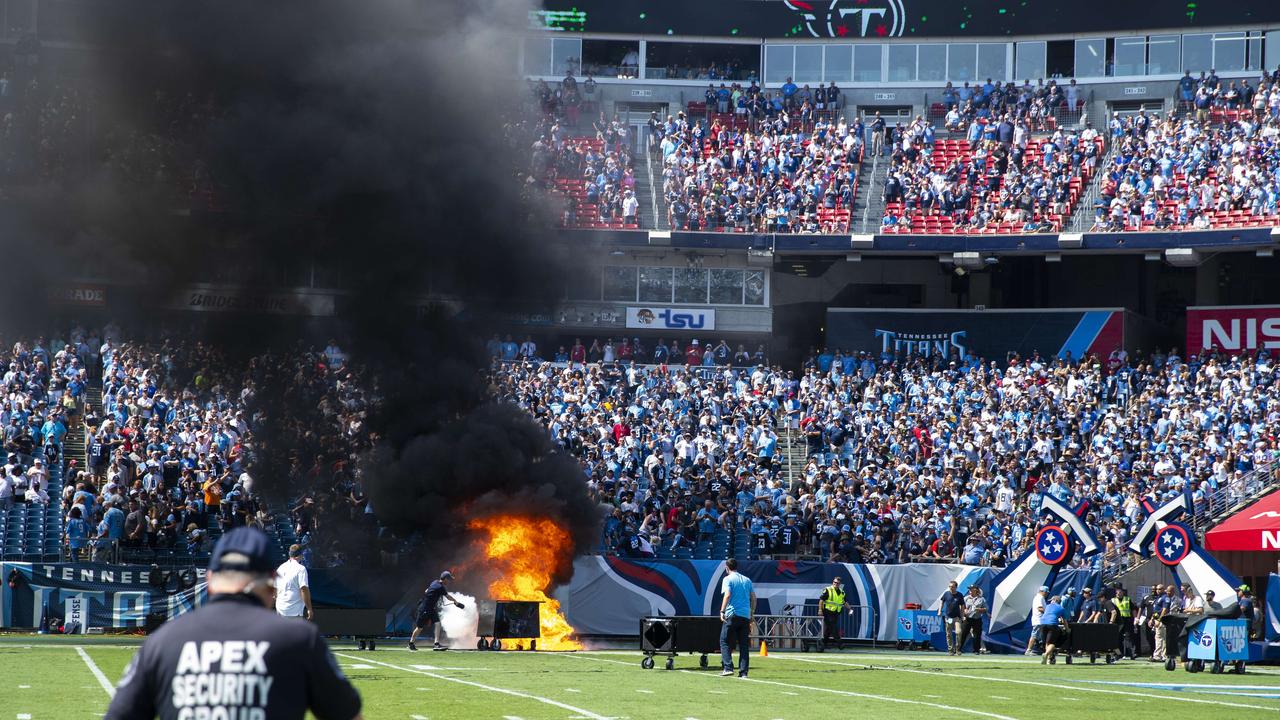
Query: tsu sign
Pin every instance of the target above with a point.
(1233, 329)
(665, 318)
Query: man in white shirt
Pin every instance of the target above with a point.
(293, 590)
(1037, 613)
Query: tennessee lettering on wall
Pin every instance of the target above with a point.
(983, 333)
(1233, 329)
(857, 19)
(110, 596)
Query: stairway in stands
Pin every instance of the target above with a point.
(648, 183)
(869, 204)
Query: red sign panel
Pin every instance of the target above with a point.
(1233, 329)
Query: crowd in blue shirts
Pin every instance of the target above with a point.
(41, 394)
(791, 172)
(1188, 171)
(909, 458)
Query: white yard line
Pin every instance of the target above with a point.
(865, 696)
(490, 688)
(418, 717)
(846, 693)
(97, 672)
(1058, 686)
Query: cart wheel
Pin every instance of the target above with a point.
(362, 644)
(702, 662)
(1170, 664)
(1216, 668)
(899, 645)
(1239, 667)
(482, 644)
(373, 646)
(1110, 659)
(647, 663)
(671, 663)
(804, 646)
(1093, 658)
(1068, 657)
(820, 646)
(533, 644)
(496, 645)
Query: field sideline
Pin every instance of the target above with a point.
(43, 677)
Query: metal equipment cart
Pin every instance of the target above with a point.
(509, 620)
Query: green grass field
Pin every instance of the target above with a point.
(52, 678)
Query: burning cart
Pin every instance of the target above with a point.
(508, 620)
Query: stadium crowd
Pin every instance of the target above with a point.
(171, 454)
(1192, 170)
(1005, 178)
(43, 392)
(793, 173)
(908, 458)
(1035, 105)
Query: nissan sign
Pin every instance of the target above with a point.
(1233, 329)
(665, 318)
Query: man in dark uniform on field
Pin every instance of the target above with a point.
(429, 610)
(235, 657)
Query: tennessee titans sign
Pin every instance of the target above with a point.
(1053, 547)
(1172, 544)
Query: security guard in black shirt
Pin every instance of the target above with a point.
(235, 658)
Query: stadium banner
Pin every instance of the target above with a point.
(78, 295)
(990, 334)
(668, 318)
(217, 298)
(110, 596)
(1233, 328)
(608, 595)
(854, 19)
(122, 596)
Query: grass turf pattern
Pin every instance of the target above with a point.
(48, 678)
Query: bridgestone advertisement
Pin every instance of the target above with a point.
(989, 334)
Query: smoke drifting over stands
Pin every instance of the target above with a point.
(369, 138)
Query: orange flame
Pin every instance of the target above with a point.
(526, 551)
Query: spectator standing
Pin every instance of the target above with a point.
(952, 610)
(293, 588)
(975, 608)
(77, 535)
(1037, 620)
(736, 611)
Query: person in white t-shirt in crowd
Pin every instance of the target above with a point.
(293, 590)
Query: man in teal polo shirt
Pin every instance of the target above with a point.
(736, 609)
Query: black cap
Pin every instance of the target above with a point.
(244, 549)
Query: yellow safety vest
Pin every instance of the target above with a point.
(1124, 605)
(834, 601)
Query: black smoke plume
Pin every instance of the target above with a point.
(367, 139)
